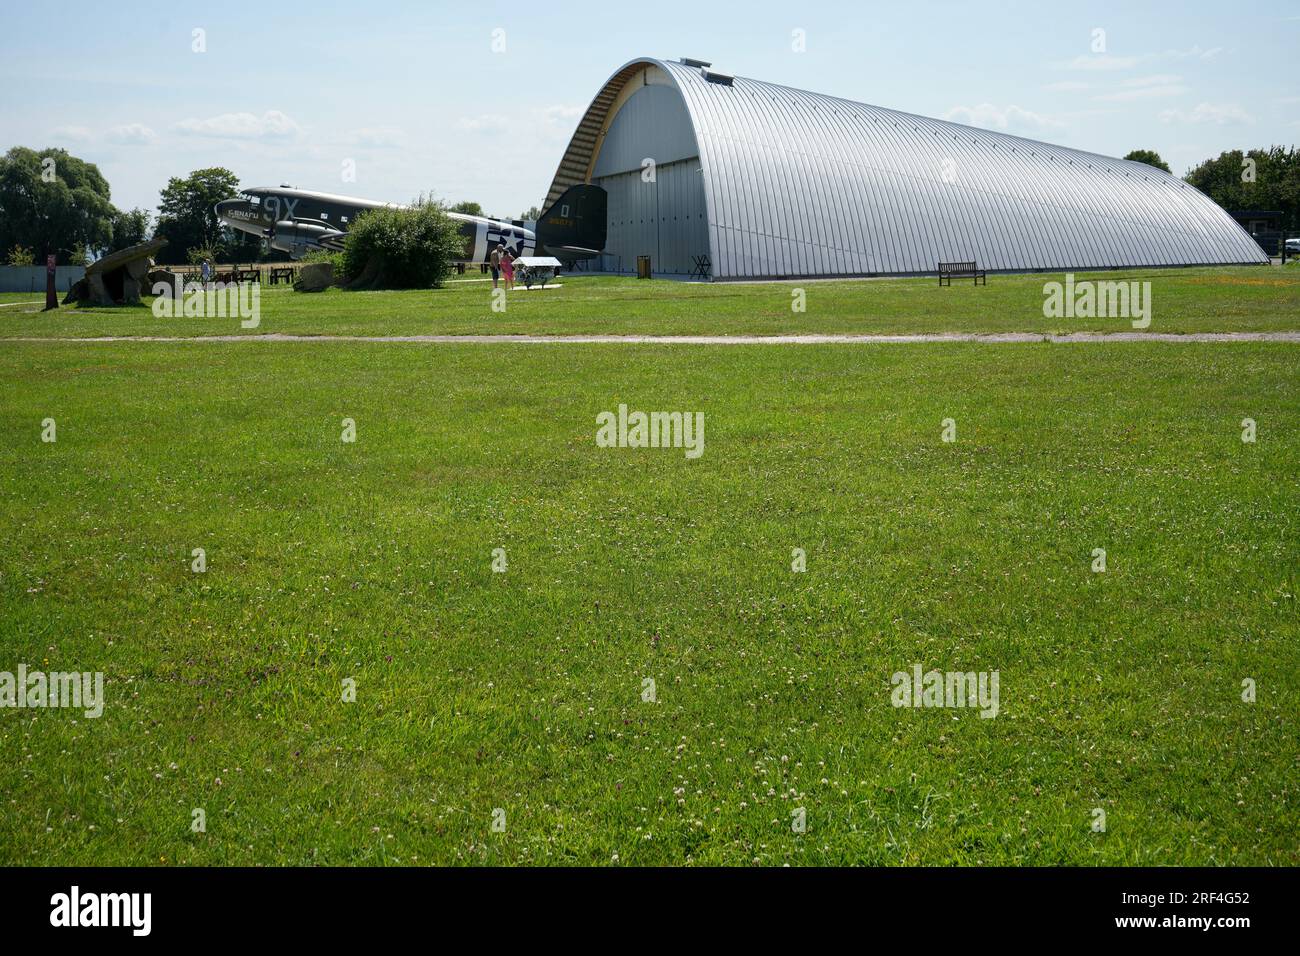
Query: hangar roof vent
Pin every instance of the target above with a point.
(690, 62)
(716, 76)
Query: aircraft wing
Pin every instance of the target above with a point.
(573, 252)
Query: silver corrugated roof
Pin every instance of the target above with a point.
(801, 184)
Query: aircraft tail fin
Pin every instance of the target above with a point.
(575, 226)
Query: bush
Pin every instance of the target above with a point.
(411, 248)
(21, 256)
(325, 255)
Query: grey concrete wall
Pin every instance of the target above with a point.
(32, 278)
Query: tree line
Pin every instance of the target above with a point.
(1267, 179)
(52, 201)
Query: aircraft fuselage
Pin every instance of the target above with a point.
(297, 221)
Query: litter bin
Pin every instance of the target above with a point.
(643, 267)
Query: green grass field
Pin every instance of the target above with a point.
(1251, 299)
(522, 691)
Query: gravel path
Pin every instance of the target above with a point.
(810, 339)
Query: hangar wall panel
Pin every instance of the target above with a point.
(664, 219)
(799, 184)
(651, 124)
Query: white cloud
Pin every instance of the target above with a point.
(484, 122)
(546, 121)
(1145, 88)
(1195, 53)
(1226, 114)
(133, 134)
(72, 134)
(566, 116)
(1098, 61)
(991, 117)
(377, 136)
(1105, 61)
(1157, 79)
(1067, 86)
(270, 125)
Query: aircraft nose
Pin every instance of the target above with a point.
(224, 207)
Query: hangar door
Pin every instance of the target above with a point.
(663, 219)
(649, 163)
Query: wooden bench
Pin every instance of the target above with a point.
(703, 267)
(961, 270)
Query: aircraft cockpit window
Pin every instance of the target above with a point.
(252, 200)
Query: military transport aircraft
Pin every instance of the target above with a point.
(297, 221)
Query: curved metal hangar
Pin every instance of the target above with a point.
(756, 180)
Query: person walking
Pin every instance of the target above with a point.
(508, 269)
(494, 260)
(205, 271)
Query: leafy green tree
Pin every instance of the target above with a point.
(468, 208)
(532, 214)
(130, 228)
(411, 248)
(245, 247)
(196, 255)
(20, 256)
(51, 200)
(1150, 157)
(1257, 179)
(186, 216)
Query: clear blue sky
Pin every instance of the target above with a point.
(413, 93)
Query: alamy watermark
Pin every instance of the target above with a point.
(1101, 300)
(212, 300)
(34, 689)
(651, 430)
(954, 689)
(75, 908)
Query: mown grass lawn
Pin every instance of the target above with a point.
(522, 690)
(1257, 298)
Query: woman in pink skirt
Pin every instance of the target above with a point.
(508, 268)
